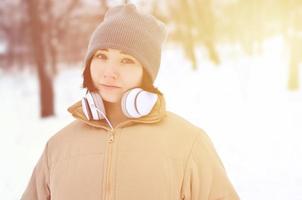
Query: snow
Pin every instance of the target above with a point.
(243, 104)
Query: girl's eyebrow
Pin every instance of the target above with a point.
(102, 50)
(121, 52)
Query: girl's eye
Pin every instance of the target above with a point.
(124, 60)
(101, 56)
(127, 61)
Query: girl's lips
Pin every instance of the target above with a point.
(109, 87)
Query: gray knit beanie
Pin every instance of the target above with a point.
(127, 29)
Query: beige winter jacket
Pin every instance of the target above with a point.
(157, 157)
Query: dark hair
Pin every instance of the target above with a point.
(146, 83)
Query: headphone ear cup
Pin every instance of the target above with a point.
(90, 102)
(138, 102)
(129, 107)
(98, 102)
(86, 108)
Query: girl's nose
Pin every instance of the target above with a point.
(110, 73)
(113, 77)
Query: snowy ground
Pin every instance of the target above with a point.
(243, 105)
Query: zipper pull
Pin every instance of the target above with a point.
(111, 137)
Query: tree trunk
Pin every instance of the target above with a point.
(45, 82)
(293, 80)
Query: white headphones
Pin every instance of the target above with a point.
(135, 103)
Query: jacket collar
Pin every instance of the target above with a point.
(157, 114)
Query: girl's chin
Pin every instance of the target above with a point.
(111, 98)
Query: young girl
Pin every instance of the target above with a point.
(123, 143)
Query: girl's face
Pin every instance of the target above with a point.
(114, 72)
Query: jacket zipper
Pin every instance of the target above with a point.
(108, 186)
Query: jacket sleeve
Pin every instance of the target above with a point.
(38, 186)
(205, 177)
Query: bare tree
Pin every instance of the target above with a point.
(11, 30)
(56, 27)
(293, 34)
(45, 82)
(193, 22)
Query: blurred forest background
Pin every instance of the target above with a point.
(41, 34)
